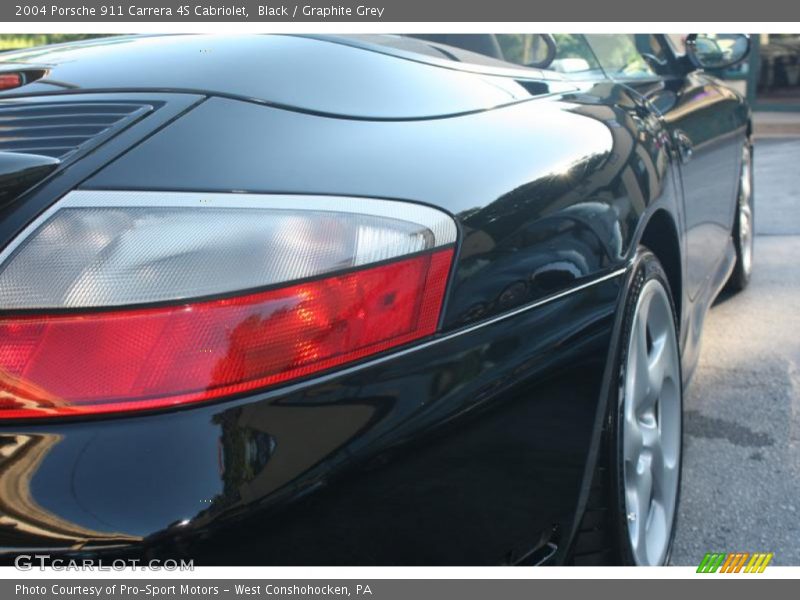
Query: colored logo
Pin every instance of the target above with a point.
(735, 562)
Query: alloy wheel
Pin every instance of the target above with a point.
(651, 428)
(746, 213)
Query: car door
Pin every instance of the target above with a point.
(704, 120)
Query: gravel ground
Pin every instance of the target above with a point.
(741, 473)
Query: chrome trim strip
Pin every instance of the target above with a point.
(531, 306)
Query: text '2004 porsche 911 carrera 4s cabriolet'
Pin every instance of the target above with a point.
(398, 300)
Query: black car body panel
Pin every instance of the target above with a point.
(430, 443)
(473, 447)
(320, 77)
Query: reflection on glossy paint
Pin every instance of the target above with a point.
(581, 211)
(22, 519)
(262, 449)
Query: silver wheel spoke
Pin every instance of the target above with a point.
(633, 441)
(641, 370)
(656, 371)
(644, 490)
(657, 453)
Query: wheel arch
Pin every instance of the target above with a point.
(660, 236)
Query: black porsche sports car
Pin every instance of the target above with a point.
(360, 300)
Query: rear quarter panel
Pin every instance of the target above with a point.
(472, 448)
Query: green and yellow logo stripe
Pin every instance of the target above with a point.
(735, 562)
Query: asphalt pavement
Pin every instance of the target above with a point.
(741, 470)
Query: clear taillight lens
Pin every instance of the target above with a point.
(138, 300)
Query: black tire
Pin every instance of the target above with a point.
(603, 538)
(742, 271)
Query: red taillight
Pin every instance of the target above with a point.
(346, 278)
(9, 81)
(104, 361)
